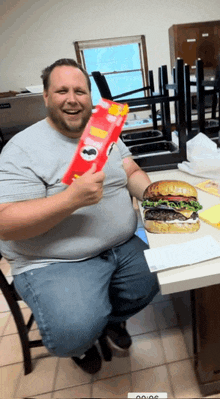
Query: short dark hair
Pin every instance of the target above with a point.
(63, 61)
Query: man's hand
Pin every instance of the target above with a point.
(88, 189)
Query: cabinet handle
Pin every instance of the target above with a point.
(205, 34)
(191, 40)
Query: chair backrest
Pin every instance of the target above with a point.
(102, 85)
(105, 91)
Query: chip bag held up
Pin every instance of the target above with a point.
(101, 133)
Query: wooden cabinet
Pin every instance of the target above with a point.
(196, 40)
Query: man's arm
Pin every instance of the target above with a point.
(138, 180)
(27, 219)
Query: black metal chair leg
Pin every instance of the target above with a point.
(19, 321)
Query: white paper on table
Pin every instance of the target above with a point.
(183, 254)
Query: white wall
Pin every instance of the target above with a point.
(35, 33)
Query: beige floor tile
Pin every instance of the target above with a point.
(142, 322)
(146, 351)
(82, 391)
(165, 315)
(4, 318)
(47, 395)
(22, 304)
(120, 364)
(3, 304)
(40, 380)
(174, 345)
(9, 377)
(116, 387)
(152, 380)
(183, 380)
(70, 375)
(9, 278)
(10, 349)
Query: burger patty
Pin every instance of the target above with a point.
(166, 215)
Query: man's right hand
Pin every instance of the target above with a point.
(87, 189)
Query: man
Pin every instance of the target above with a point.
(74, 256)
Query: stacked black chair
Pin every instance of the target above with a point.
(146, 135)
(105, 92)
(203, 124)
(154, 149)
(165, 153)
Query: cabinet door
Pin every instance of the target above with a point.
(206, 47)
(188, 39)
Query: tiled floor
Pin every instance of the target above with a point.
(158, 361)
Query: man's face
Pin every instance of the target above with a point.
(68, 101)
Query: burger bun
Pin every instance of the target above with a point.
(161, 227)
(170, 187)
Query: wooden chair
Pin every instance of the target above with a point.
(13, 300)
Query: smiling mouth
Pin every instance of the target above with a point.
(71, 112)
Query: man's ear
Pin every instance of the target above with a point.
(45, 96)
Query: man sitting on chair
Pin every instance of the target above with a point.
(74, 255)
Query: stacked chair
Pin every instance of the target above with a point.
(105, 92)
(148, 135)
(206, 122)
(153, 149)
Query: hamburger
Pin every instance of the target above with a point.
(171, 206)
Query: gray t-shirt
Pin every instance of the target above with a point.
(32, 165)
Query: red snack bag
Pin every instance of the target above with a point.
(101, 133)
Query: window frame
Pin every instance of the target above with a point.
(80, 46)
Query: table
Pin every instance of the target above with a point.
(201, 282)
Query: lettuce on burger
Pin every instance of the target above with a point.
(171, 206)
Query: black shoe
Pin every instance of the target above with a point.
(90, 362)
(118, 335)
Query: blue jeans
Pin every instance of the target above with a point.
(73, 301)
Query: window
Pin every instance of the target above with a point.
(123, 61)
